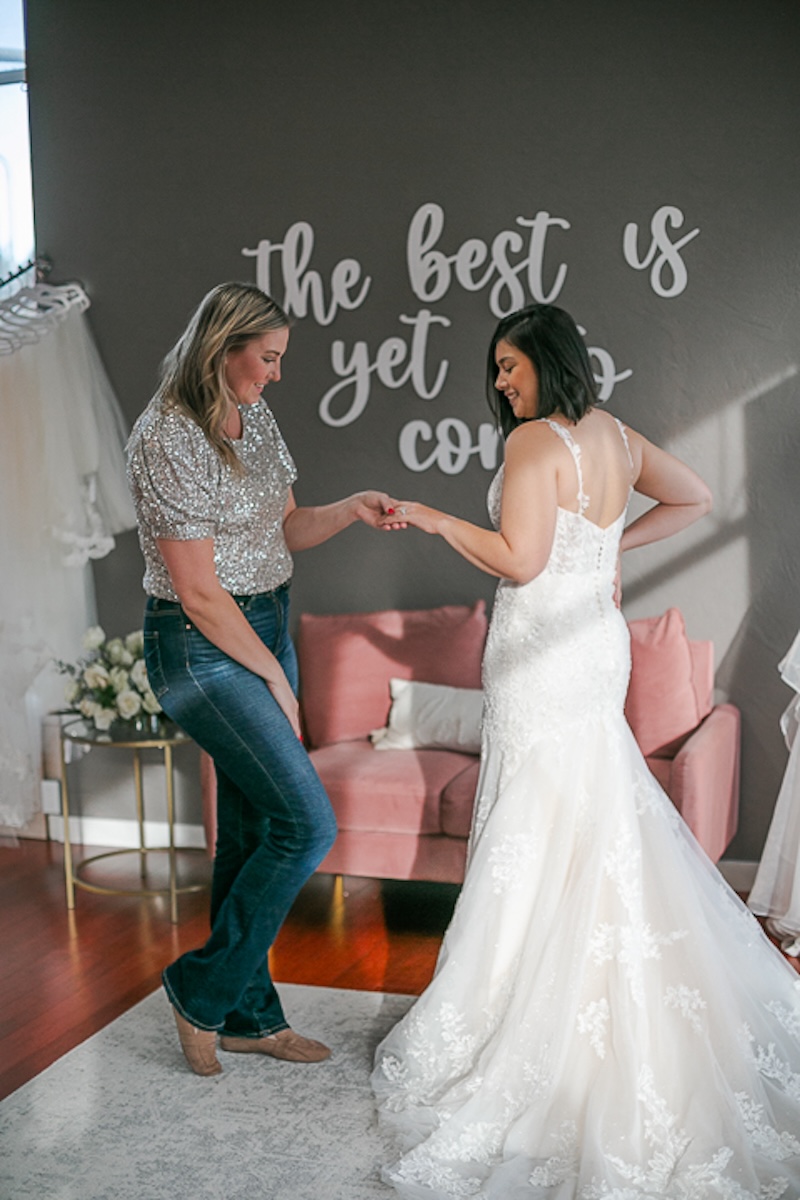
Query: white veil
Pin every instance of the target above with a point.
(63, 495)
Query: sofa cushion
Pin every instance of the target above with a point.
(395, 792)
(662, 705)
(346, 662)
(381, 855)
(458, 801)
(661, 768)
(433, 715)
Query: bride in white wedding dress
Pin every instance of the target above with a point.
(607, 1020)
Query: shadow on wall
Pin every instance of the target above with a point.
(684, 560)
(740, 575)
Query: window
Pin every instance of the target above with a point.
(16, 202)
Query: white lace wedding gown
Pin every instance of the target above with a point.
(607, 1021)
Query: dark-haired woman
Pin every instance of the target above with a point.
(212, 482)
(606, 1021)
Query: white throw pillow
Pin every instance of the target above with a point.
(431, 715)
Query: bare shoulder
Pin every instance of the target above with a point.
(532, 439)
(607, 420)
(643, 451)
(634, 440)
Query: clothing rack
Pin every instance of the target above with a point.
(41, 263)
(29, 311)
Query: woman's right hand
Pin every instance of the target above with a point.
(219, 618)
(409, 512)
(287, 701)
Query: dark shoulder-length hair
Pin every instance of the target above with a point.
(549, 337)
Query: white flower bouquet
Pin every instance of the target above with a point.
(109, 684)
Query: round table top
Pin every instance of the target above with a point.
(155, 732)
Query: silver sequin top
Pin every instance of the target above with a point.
(182, 490)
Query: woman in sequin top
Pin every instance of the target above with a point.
(212, 479)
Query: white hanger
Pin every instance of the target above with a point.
(32, 312)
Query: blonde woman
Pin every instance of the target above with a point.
(212, 479)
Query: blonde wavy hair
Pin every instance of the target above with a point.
(193, 373)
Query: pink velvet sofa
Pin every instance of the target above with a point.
(405, 814)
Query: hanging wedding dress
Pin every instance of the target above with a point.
(776, 889)
(63, 495)
(607, 1020)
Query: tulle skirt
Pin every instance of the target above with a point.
(607, 1019)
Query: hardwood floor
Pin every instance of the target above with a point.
(65, 975)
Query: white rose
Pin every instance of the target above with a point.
(115, 651)
(89, 708)
(96, 676)
(119, 679)
(104, 718)
(129, 704)
(149, 703)
(72, 691)
(93, 638)
(139, 675)
(134, 643)
(126, 658)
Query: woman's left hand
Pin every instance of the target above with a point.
(407, 512)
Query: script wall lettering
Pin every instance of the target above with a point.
(301, 284)
(662, 253)
(517, 266)
(430, 271)
(453, 445)
(356, 368)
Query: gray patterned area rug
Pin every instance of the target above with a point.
(122, 1118)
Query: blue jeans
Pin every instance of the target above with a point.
(274, 820)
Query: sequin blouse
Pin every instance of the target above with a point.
(182, 489)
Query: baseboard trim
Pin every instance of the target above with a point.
(124, 835)
(740, 875)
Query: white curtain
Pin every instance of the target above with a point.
(63, 495)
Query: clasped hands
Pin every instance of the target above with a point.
(383, 512)
(403, 513)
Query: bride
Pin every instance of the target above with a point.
(606, 1020)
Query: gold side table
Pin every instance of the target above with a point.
(164, 737)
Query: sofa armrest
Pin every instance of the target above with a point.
(704, 780)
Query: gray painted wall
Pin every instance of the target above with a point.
(168, 137)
